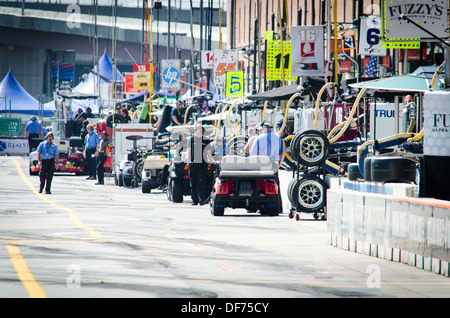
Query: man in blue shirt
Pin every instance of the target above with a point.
(269, 144)
(33, 129)
(91, 142)
(47, 154)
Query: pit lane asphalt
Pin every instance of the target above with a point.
(86, 241)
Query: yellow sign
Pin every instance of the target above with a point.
(235, 84)
(141, 80)
(276, 61)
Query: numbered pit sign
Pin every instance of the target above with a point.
(141, 76)
(224, 61)
(170, 75)
(307, 51)
(235, 84)
(276, 61)
(369, 37)
(207, 60)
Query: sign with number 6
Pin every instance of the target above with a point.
(369, 37)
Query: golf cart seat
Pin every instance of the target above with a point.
(254, 166)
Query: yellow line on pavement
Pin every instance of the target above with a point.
(24, 273)
(19, 263)
(72, 214)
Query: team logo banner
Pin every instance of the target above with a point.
(307, 51)
(170, 75)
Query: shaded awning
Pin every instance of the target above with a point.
(281, 93)
(418, 81)
(310, 85)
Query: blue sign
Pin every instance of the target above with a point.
(171, 75)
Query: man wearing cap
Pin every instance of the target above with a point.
(33, 129)
(91, 142)
(269, 144)
(176, 114)
(47, 154)
(102, 155)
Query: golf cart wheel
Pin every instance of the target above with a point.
(216, 211)
(169, 190)
(177, 191)
(313, 147)
(311, 193)
(138, 167)
(236, 146)
(146, 189)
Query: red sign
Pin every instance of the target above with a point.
(143, 67)
(129, 85)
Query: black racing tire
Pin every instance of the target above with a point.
(292, 191)
(393, 170)
(311, 193)
(177, 191)
(367, 169)
(353, 172)
(311, 147)
(118, 119)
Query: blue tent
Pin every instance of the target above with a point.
(18, 98)
(104, 69)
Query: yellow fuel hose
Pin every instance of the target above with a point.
(186, 113)
(350, 117)
(436, 74)
(319, 97)
(286, 112)
(233, 133)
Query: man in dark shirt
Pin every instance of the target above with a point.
(199, 155)
(176, 114)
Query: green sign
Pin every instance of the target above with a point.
(10, 126)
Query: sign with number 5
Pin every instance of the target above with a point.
(369, 37)
(224, 61)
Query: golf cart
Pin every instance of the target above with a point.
(247, 183)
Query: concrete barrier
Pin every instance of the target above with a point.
(400, 228)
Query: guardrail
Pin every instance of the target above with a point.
(414, 231)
